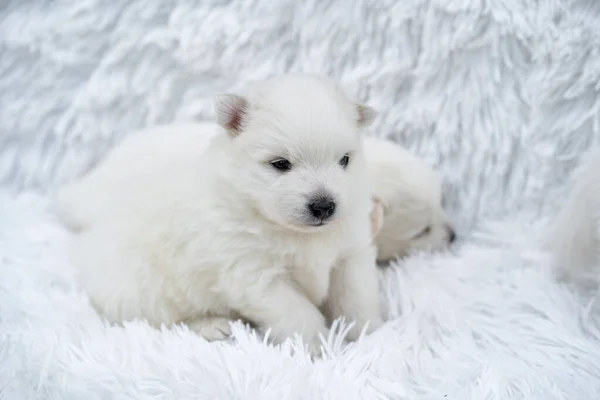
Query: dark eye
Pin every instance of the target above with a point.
(282, 165)
(345, 160)
(424, 232)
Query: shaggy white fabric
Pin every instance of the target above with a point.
(502, 95)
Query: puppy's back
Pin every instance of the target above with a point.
(393, 169)
(142, 155)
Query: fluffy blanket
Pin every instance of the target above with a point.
(502, 96)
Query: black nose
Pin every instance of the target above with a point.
(322, 207)
(451, 235)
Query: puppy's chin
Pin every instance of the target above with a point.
(386, 261)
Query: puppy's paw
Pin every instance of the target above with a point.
(356, 330)
(314, 344)
(212, 328)
(374, 324)
(314, 349)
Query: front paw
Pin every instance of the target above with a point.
(314, 345)
(315, 350)
(212, 328)
(371, 326)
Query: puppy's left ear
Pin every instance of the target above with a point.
(366, 115)
(232, 111)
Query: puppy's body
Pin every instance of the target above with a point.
(170, 233)
(94, 197)
(410, 192)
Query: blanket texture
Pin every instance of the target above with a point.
(501, 95)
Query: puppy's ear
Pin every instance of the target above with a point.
(231, 110)
(377, 215)
(366, 115)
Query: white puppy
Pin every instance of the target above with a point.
(407, 213)
(270, 224)
(574, 236)
(409, 191)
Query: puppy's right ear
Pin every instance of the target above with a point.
(366, 115)
(232, 111)
(377, 215)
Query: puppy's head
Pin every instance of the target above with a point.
(410, 224)
(408, 192)
(296, 150)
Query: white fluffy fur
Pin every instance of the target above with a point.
(407, 214)
(410, 192)
(170, 233)
(483, 323)
(574, 236)
(502, 95)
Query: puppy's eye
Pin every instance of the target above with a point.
(424, 232)
(282, 165)
(345, 160)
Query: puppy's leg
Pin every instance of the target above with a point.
(354, 292)
(211, 327)
(286, 311)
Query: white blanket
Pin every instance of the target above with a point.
(501, 95)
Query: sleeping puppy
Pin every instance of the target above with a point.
(407, 192)
(267, 221)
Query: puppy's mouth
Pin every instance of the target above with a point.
(317, 224)
(312, 225)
